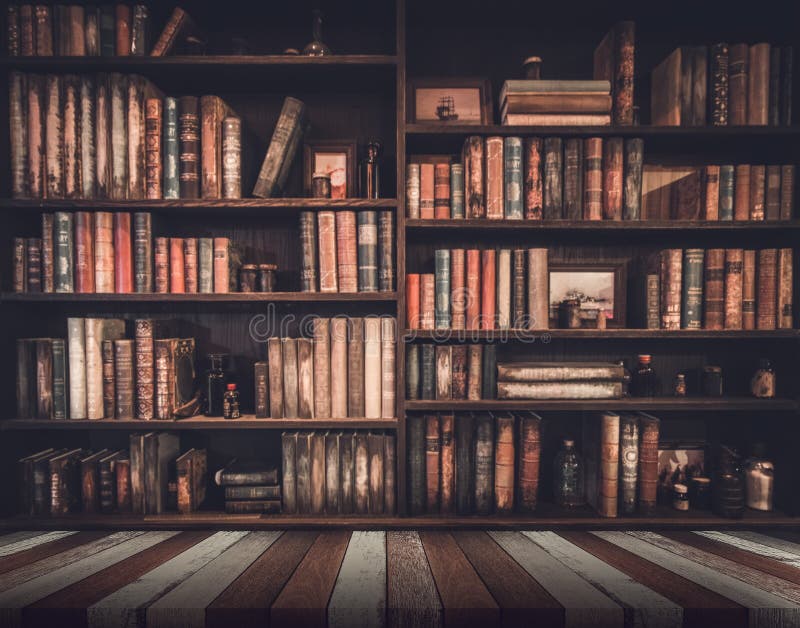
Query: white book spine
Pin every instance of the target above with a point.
(372, 368)
(77, 369)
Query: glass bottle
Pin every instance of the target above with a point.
(316, 48)
(568, 476)
(230, 403)
(215, 385)
(626, 378)
(370, 171)
(763, 383)
(644, 378)
(679, 386)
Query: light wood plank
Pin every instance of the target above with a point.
(186, 604)
(710, 571)
(31, 542)
(752, 546)
(359, 597)
(768, 540)
(643, 607)
(126, 607)
(583, 604)
(39, 552)
(15, 537)
(413, 601)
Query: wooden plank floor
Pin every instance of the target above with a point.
(400, 578)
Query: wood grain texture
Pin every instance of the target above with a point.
(412, 599)
(701, 607)
(643, 607)
(466, 600)
(754, 547)
(246, 422)
(26, 544)
(770, 540)
(304, 599)
(23, 535)
(359, 597)
(247, 600)
(185, 605)
(522, 600)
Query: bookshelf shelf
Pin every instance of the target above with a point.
(545, 335)
(196, 298)
(594, 226)
(694, 404)
(247, 422)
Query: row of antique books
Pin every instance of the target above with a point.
(481, 289)
(721, 289)
(150, 477)
(530, 178)
(99, 373)
(116, 136)
(736, 84)
(463, 371)
(347, 251)
(75, 30)
(345, 370)
(338, 472)
(250, 487)
(108, 252)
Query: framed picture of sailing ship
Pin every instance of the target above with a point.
(596, 287)
(455, 101)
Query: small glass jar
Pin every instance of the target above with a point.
(230, 403)
(247, 278)
(700, 493)
(680, 497)
(321, 185)
(568, 476)
(215, 384)
(679, 386)
(267, 277)
(533, 68)
(763, 383)
(644, 378)
(712, 381)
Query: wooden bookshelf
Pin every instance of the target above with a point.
(198, 298)
(602, 226)
(545, 335)
(668, 404)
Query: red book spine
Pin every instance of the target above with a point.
(458, 285)
(427, 291)
(346, 251)
(123, 30)
(162, 264)
(494, 178)
(488, 288)
(123, 253)
(612, 178)
(222, 271)
(412, 301)
(427, 191)
(441, 192)
(177, 281)
(473, 293)
(533, 178)
(104, 252)
(190, 264)
(84, 253)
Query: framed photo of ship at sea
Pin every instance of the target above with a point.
(600, 286)
(455, 101)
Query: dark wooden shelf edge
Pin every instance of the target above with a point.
(232, 297)
(627, 131)
(545, 335)
(181, 204)
(198, 423)
(600, 225)
(656, 403)
(208, 61)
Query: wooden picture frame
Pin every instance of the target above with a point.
(475, 109)
(614, 271)
(333, 150)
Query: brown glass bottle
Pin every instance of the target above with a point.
(644, 381)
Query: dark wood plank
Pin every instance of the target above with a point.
(230, 297)
(304, 599)
(466, 600)
(615, 227)
(246, 422)
(696, 404)
(522, 600)
(67, 607)
(701, 607)
(246, 602)
(412, 598)
(25, 557)
(526, 335)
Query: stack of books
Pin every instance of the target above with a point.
(250, 487)
(555, 103)
(559, 380)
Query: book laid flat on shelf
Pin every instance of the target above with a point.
(569, 380)
(558, 103)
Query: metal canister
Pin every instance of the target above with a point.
(247, 278)
(267, 277)
(321, 185)
(759, 483)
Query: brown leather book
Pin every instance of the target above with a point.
(71, 86)
(123, 255)
(322, 367)
(339, 363)
(649, 428)
(758, 182)
(413, 300)
(103, 136)
(474, 365)
(346, 251)
(104, 252)
(212, 111)
(375, 449)
(427, 290)
(305, 378)
(758, 85)
(118, 137)
(190, 268)
(504, 465)
(33, 264)
(533, 178)
(261, 392)
(473, 291)
(123, 30)
(189, 146)
(614, 60)
(472, 156)
(733, 288)
(458, 284)
(153, 121)
(688, 196)
(612, 178)
(785, 284)
(494, 178)
(317, 472)
(124, 378)
(458, 368)
(609, 464)
(671, 282)
(222, 276)
(328, 276)
(355, 368)
(528, 456)
(88, 142)
(27, 34)
(538, 294)
(711, 196)
(36, 135)
(518, 289)
(441, 191)
(84, 253)
(766, 289)
(109, 380)
(741, 196)
(787, 192)
(388, 349)
(433, 448)
(179, 25)
(593, 178)
(161, 264)
(275, 368)
(290, 382)
(748, 290)
(177, 277)
(361, 479)
(20, 282)
(488, 288)
(738, 70)
(427, 191)
(714, 293)
(231, 157)
(145, 333)
(665, 90)
(445, 479)
(772, 197)
(90, 481)
(43, 30)
(136, 148)
(48, 280)
(122, 474)
(18, 131)
(444, 376)
(54, 138)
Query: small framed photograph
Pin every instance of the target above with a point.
(450, 101)
(597, 287)
(334, 157)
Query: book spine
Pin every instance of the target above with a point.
(222, 265)
(612, 178)
(428, 372)
(773, 96)
(427, 191)
(122, 253)
(164, 403)
(609, 464)
(504, 466)
(692, 289)
(136, 137)
(785, 284)
(94, 368)
(205, 265)
(27, 35)
(433, 447)
(189, 146)
(145, 368)
(123, 29)
(275, 371)
(282, 147)
(427, 301)
(474, 371)
(262, 390)
(714, 302)
(623, 73)
(484, 465)
(88, 150)
(711, 192)
(758, 85)
(84, 253)
(190, 273)
(593, 178)
(412, 372)
(154, 170)
(787, 58)
(474, 177)
(489, 372)
(386, 238)
(108, 491)
(458, 367)
(161, 265)
(417, 478)
(748, 290)
(766, 288)
(210, 147)
(787, 192)
(54, 139)
(488, 289)
(20, 282)
(124, 375)
(718, 100)
(289, 472)
(328, 276)
(629, 463)
(18, 134)
(231, 157)
(12, 30)
(473, 289)
(92, 34)
(553, 202)
(512, 177)
(43, 29)
(503, 296)
(726, 189)
(413, 191)
(33, 264)
(465, 464)
(742, 196)
(102, 134)
(361, 476)
(104, 252)
(529, 454)
(444, 378)
(389, 488)
(346, 251)
(119, 137)
(143, 252)
(772, 198)
(457, 209)
(76, 340)
(413, 301)
(671, 288)
(538, 297)
(35, 135)
(48, 280)
(518, 292)
(441, 191)
(171, 153)
(305, 378)
(494, 178)
(367, 250)
(109, 380)
(632, 184)
(733, 288)
(648, 464)
(388, 343)
(573, 179)
(758, 184)
(44, 378)
(738, 70)
(339, 364)
(442, 289)
(59, 382)
(290, 374)
(177, 270)
(534, 195)
(355, 369)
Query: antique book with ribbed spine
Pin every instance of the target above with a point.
(231, 157)
(386, 250)
(428, 371)
(190, 471)
(109, 380)
(503, 290)
(138, 90)
(553, 196)
(742, 197)
(534, 195)
(518, 291)
(457, 209)
(733, 288)
(614, 61)
(444, 378)
(322, 367)
(43, 377)
(161, 265)
(528, 456)
(275, 368)
(692, 289)
(102, 133)
(143, 275)
(35, 133)
(464, 464)
(305, 378)
(222, 263)
(361, 475)
(413, 301)
(84, 252)
(573, 179)
(504, 465)
(447, 465)
(758, 183)
(427, 301)
(714, 289)
(441, 191)
(758, 84)
(488, 289)
(413, 191)
(772, 196)
(76, 338)
(124, 379)
(333, 493)
(612, 178)
(484, 464)
(164, 357)
(388, 342)
(718, 84)
(458, 368)
(711, 192)
(71, 88)
(346, 472)
(346, 251)
(442, 289)
(671, 288)
(328, 275)
(308, 247)
(785, 283)
(177, 269)
(104, 252)
(97, 330)
(433, 449)
(154, 170)
(27, 31)
(367, 251)
(372, 367)
(90, 481)
(12, 32)
(190, 268)
(593, 179)
(171, 152)
(748, 290)
(18, 133)
(289, 472)
(205, 265)
(54, 138)
(473, 159)
(213, 111)
(427, 191)
(726, 190)
(538, 297)
(417, 478)
(632, 179)
(494, 178)
(291, 399)
(609, 456)
(629, 462)
(282, 148)
(19, 270)
(355, 368)
(412, 372)
(43, 30)
(33, 264)
(48, 250)
(88, 150)
(339, 365)
(261, 390)
(766, 289)
(473, 289)
(649, 428)
(512, 179)
(189, 146)
(108, 481)
(119, 136)
(457, 297)
(122, 253)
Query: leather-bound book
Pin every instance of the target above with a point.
(787, 63)
(339, 366)
(774, 93)
(328, 275)
(35, 134)
(205, 265)
(12, 30)
(372, 367)
(609, 464)
(484, 464)
(97, 330)
(742, 195)
(612, 178)
(538, 296)
(178, 28)
(441, 191)
(389, 474)
(275, 368)
(303, 473)
(190, 267)
(671, 288)
(748, 290)
(212, 111)
(412, 301)
(18, 133)
(632, 179)
(489, 372)
(772, 197)
(427, 191)
(118, 137)
(161, 265)
(305, 378)
(47, 250)
(386, 250)
(59, 382)
(512, 178)
(367, 251)
(474, 371)
(553, 199)
(54, 138)
(102, 134)
(593, 178)
(190, 471)
(289, 471)
(355, 368)
(124, 20)
(629, 463)
(494, 178)
(308, 248)
(417, 479)
(109, 380)
(171, 153)
(322, 367)
(465, 467)
(687, 196)
(43, 369)
(347, 251)
(361, 475)
(692, 289)
(27, 32)
(333, 492)
(733, 288)
(65, 485)
(504, 465)
(503, 296)
(766, 289)
(718, 84)
(122, 254)
(104, 252)
(222, 265)
(614, 62)
(534, 195)
(71, 87)
(457, 208)
(76, 339)
(413, 374)
(108, 481)
(458, 368)
(444, 377)
(473, 159)
(458, 285)
(488, 289)
(189, 146)
(231, 157)
(164, 357)
(726, 189)
(154, 171)
(442, 289)
(714, 290)
(19, 270)
(124, 379)
(261, 390)
(711, 192)
(143, 272)
(433, 451)
(758, 183)
(413, 191)
(528, 456)
(145, 333)
(447, 465)
(573, 179)
(282, 148)
(388, 348)
(427, 301)
(177, 270)
(785, 283)
(738, 71)
(137, 91)
(518, 292)
(90, 481)
(649, 428)
(92, 32)
(84, 253)
(291, 398)
(88, 149)
(666, 91)
(758, 85)
(428, 371)
(122, 472)
(43, 29)
(473, 289)
(347, 472)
